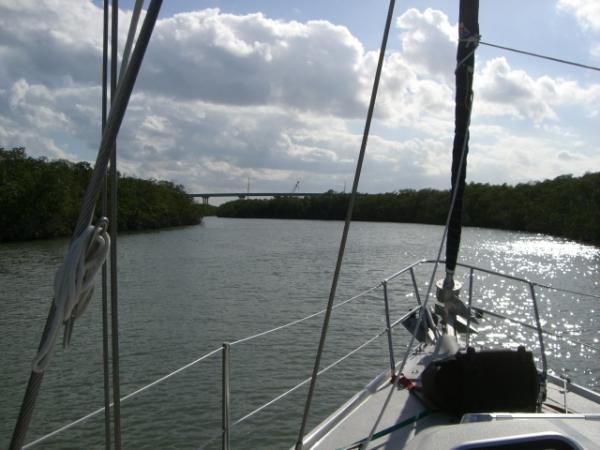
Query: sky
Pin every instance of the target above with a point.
(276, 92)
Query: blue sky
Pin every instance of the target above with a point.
(277, 91)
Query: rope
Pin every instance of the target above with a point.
(473, 40)
(386, 431)
(346, 226)
(74, 286)
(537, 55)
(109, 135)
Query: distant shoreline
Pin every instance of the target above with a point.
(566, 206)
(41, 199)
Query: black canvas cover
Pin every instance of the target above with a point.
(485, 381)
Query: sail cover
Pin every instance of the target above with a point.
(465, 57)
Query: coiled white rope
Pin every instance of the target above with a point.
(74, 285)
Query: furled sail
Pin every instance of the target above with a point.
(465, 58)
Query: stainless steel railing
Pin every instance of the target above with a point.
(228, 423)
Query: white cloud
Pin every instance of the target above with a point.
(428, 41)
(49, 41)
(587, 12)
(500, 156)
(503, 91)
(253, 60)
(223, 97)
(409, 100)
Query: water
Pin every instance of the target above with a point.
(183, 292)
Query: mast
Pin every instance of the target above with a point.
(468, 31)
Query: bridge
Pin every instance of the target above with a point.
(206, 196)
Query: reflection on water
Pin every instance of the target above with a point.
(184, 292)
(545, 246)
(568, 319)
(548, 257)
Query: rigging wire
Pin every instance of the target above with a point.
(112, 217)
(537, 55)
(349, 211)
(104, 209)
(453, 204)
(113, 124)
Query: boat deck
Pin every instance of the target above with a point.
(390, 415)
(380, 406)
(389, 407)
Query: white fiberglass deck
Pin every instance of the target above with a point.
(378, 407)
(393, 416)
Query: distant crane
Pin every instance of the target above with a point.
(296, 187)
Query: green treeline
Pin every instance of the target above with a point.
(566, 206)
(42, 199)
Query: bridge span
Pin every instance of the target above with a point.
(206, 196)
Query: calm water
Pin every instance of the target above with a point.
(184, 292)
